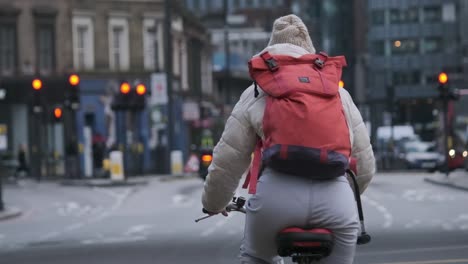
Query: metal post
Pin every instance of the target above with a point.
(227, 60)
(445, 136)
(391, 109)
(168, 69)
(2, 205)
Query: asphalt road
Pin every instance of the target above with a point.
(411, 222)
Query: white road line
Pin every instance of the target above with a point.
(388, 218)
(400, 251)
(50, 235)
(119, 199)
(413, 223)
(113, 240)
(74, 227)
(440, 261)
(212, 229)
(180, 200)
(138, 229)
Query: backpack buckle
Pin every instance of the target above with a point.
(270, 61)
(272, 65)
(319, 63)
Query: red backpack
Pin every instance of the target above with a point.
(304, 124)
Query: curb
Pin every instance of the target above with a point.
(447, 184)
(105, 183)
(10, 213)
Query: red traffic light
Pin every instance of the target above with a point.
(74, 79)
(443, 78)
(37, 84)
(141, 89)
(125, 88)
(57, 112)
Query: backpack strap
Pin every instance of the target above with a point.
(270, 61)
(252, 176)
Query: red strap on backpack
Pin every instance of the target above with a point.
(252, 176)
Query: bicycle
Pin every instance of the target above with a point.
(305, 246)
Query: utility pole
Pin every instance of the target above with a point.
(227, 61)
(168, 69)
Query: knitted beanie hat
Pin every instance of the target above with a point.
(291, 29)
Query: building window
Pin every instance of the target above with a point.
(400, 16)
(406, 78)
(196, 4)
(150, 44)
(46, 48)
(378, 47)
(236, 4)
(7, 48)
(118, 44)
(378, 17)
(432, 14)
(249, 3)
(449, 13)
(405, 46)
(432, 45)
(83, 43)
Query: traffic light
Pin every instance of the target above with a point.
(36, 85)
(73, 91)
(57, 113)
(445, 93)
(121, 100)
(138, 97)
(341, 84)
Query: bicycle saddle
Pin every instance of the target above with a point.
(296, 241)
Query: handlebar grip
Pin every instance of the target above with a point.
(363, 238)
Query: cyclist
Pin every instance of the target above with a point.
(283, 200)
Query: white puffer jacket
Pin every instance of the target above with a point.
(232, 154)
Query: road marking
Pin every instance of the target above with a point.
(400, 251)
(440, 261)
(413, 223)
(74, 227)
(119, 199)
(388, 218)
(180, 200)
(219, 224)
(49, 236)
(138, 229)
(113, 240)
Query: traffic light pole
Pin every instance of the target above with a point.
(168, 69)
(446, 135)
(227, 59)
(2, 205)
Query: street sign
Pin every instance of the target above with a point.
(190, 111)
(158, 89)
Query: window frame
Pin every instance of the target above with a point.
(88, 42)
(124, 47)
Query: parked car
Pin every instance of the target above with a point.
(421, 155)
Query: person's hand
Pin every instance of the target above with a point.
(224, 212)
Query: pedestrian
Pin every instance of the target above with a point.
(284, 197)
(22, 163)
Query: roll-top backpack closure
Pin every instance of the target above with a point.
(281, 75)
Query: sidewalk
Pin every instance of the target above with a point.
(457, 179)
(9, 212)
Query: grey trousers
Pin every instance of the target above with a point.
(285, 201)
